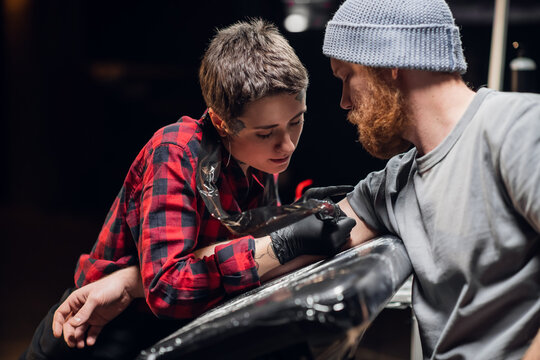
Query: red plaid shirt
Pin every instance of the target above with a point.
(158, 219)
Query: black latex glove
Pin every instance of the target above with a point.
(311, 236)
(321, 193)
(324, 193)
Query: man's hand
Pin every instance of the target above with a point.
(83, 314)
(311, 236)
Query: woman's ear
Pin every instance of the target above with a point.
(395, 72)
(218, 123)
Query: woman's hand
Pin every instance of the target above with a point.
(85, 311)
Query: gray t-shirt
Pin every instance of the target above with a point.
(468, 213)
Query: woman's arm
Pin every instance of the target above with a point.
(84, 313)
(86, 310)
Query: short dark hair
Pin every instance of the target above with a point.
(246, 62)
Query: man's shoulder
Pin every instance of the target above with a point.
(500, 112)
(396, 172)
(511, 101)
(403, 159)
(400, 165)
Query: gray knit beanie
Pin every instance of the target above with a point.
(411, 34)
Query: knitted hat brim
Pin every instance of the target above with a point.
(421, 47)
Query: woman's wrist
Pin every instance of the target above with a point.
(131, 279)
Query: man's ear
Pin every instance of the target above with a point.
(218, 123)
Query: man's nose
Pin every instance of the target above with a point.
(345, 102)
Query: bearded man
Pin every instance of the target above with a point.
(465, 199)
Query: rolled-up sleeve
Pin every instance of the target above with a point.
(236, 265)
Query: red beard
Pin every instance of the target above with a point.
(379, 114)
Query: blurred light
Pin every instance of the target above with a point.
(13, 7)
(302, 15)
(515, 44)
(296, 23)
(522, 64)
(300, 188)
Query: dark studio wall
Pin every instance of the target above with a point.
(86, 83)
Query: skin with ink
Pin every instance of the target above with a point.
(261, 255)
(270, 252)
(301, 96)
(235, 126)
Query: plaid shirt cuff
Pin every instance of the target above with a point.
(237, 266)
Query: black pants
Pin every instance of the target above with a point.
(122, 338)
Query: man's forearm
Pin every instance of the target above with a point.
(361, 232)
(533, 353)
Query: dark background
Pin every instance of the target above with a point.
(86, 83)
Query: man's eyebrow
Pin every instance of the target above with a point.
(266, 127)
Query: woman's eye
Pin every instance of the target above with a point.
(298, 122)
(264, 136)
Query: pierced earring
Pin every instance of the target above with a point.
(229, 158)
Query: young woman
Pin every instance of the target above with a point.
(176, 234)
